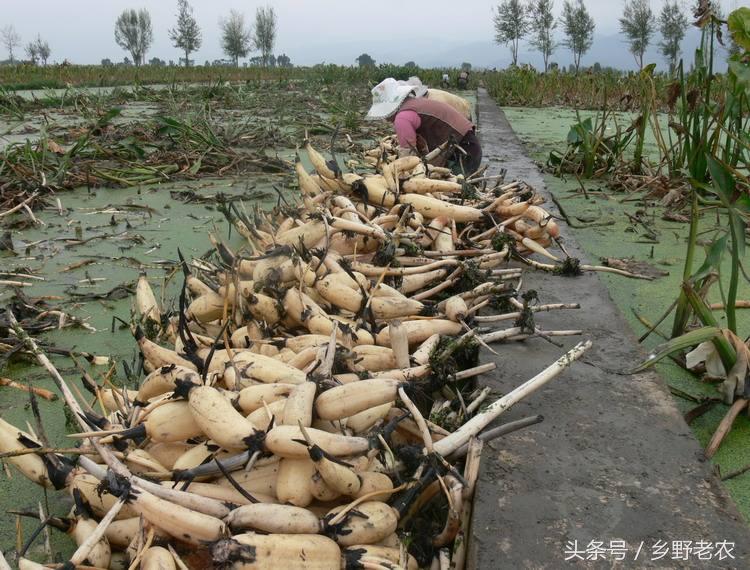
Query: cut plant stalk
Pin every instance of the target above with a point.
(471, 474)
(448, 445)
(82, 552)
(725, 426)
(499, 431)
(585, 267)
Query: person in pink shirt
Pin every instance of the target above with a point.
(422, 125)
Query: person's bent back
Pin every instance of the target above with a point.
(424, 124)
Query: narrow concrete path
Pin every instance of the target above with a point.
(613, 460)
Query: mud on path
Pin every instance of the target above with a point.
(613, 466)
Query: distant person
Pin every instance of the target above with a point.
(423, 124)
(446, 80)
(463, 79)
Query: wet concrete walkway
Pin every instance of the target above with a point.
(613, 477)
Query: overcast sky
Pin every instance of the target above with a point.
(308, 30)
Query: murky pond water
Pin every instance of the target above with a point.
(57, 122)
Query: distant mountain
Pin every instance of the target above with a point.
(608, 50)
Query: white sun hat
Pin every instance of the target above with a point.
(420, 89)
(387, 97)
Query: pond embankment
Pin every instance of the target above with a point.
(613, 460)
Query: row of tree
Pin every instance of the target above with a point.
(37, 50)
(516, 19)
(281, 60)
(133, 33)
(638, 25)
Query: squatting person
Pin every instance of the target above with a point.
(423, 124)
(463, 79)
